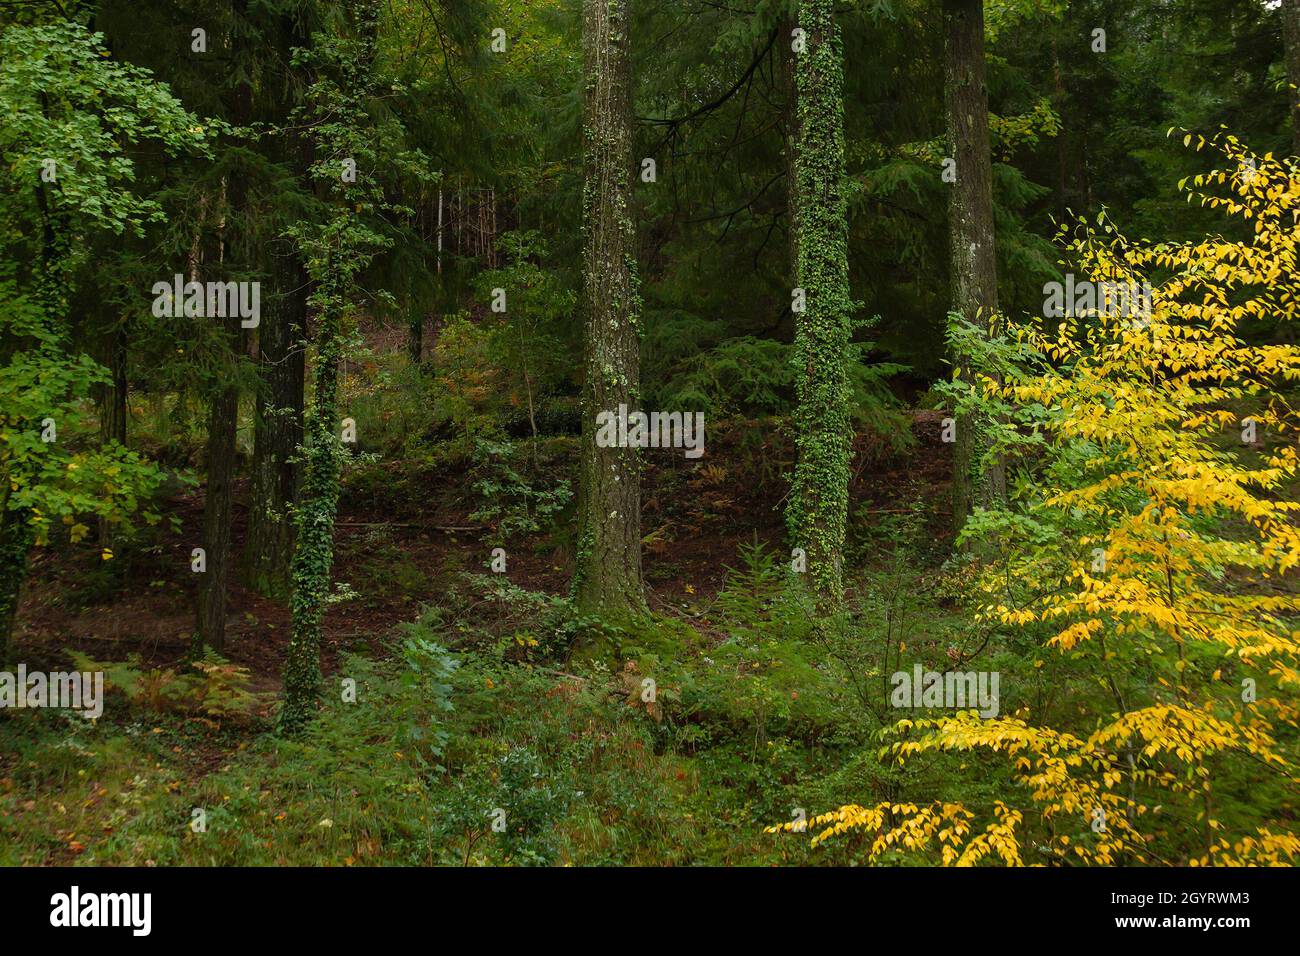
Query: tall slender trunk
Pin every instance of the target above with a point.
(218, 499)
(278, 419)
(313, 558)
(970, 226)
(278, 428)
(1060, 101)
(818, 505)
(218, 511)
(112, 404)
(608, 573)
(1291, 47)
(16, 539)
(223, 421)
(415, 336)
(790, 92)
(334, 262)
(112, 395)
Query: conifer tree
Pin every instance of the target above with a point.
(976, 482)
(608, 573)
(823, 432)
(281, 336)
(223, 419)
(336, 250)
(73, 178)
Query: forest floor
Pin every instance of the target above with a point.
(400, 550)
(406, 542)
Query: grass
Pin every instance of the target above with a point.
(411, 773)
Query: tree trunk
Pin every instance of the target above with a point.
(1060, 101)
(790, 89)
(818, 504)
(112, 405)
(277, 423)
(218, 509)
(112, 396)
(1291, 45)
(313, 558)
(333, 264)
(608, 574)
(278, 429)
(415, 338)
(16, 538)
(223, 422)
(974, 258)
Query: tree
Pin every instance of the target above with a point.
(608, 573)
(786, 43)
(72, 115)
(823, 434)
(977, 482)
(336, 250)
(281, 336)
(223, 422)
(1148, 549)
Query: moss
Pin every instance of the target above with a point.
(337, 251)
(819, 500)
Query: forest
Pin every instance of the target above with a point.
(649, 433)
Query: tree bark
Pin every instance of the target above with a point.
(112, 404)
(818, 505)
(16, 538)
(313, 559)
(974, 255)
(790, 88)
(223, 422)
(278, 430)
(1060, 101)
(415, 336)
(278, 420)
(112, 396)
(218, 510)
(333, 264)
(608, 574)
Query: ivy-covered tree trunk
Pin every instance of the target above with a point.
(608, 574)
(313, 558)
(278, 420)
(823, 433)
(970, 229)
(336, 251)
(1291, 47)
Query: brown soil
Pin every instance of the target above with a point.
(696, 516)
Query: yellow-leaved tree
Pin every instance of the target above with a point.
(1150, 553)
